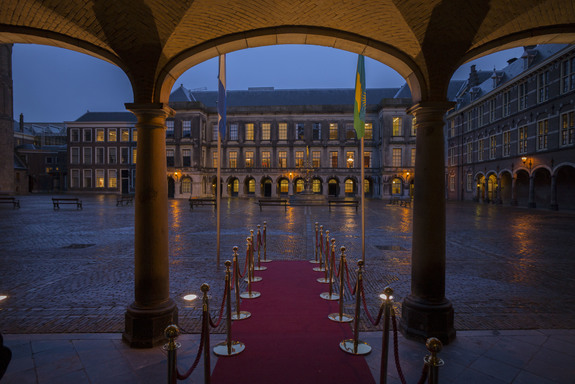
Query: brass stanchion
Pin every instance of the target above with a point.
(258, 243)
(238, 315)
(387, 296)
(330, 295)
(172, 332)
(265, 238)
(252, 264)
(434, 346)
(355, 346)
(206, 332)
(229, 347)
(320, 268)
(249, 253)
(326, 265)
(341, 317)
(315, 261)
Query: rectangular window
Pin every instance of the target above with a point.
(87, 155)
(249, 132)
(233, 159)
(112, 155)
(75, 179)
(349, 132)
(299, 131)
(469, 153)
(480, 148)
(316, 131)
(215, 132)
(413, 157)
(507, 143)
(522, 96)
(452, 183)
(124, 155)
(298, 159)
(112, 135)
(543, 87)
(396, 129)
(112, 178)
(186, 128)
(492, 146)
(135, 135)
(333, 131)
(522, 140)
(266, 159)
(413, 126)
(87, 135)
(567, 75)
(333, 159)
(492, 106)
(169, 128)
(125, 134)
(74, 135)
(215, 159)
(506, 103)
(367, 159)
(396, 157)
(452, 128)
(100, 157)
(282, 131)
(567, 128)
(87, 178)
(186, 157)
(315, 156)
(234, 132)
(100, 182)
(480, 113)
(170, 157)
(266, 131)
(469, 182)
(249, 159)
(134, 155)
(368, 131)
(542, 130)
(282, 159)
(350, 159)
(100, 134)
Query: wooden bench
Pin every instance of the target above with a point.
(10, 200)
(401, 202)
(345, 203)
(198, 202)
(70, 200)
(128, 200)
(276, 202)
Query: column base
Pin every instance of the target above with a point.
(554, 207)
(531, 205)
(421, 319)
(144, 328)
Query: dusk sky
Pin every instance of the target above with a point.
(56, 85)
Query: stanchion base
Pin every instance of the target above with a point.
(362, 347)
(250, 295)
(324, 280)
(319, 269)
(344, 318)
(255, 279)
(328, 296)
(260, 268)
(221, 349)
(314, 261)
(265, 261)
(243, 315)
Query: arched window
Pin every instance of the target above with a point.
(251, 186)
(284, 186)
(349, 184)
(316, 186)
(366, 186)
(235, 186)
(186, 185)
(299, 186)
(396, 186)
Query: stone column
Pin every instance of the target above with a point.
(554, 206)
(426, 312)
(152, 309)
(531, 203)
(513, 189)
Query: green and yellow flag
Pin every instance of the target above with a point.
(360, 98)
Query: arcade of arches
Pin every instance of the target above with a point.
(155, 42)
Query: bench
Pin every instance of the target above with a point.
(401, 202)
(58, 201)
(345, 203)
(276, 202)
(10, 200)
(198, 202)
(128, 200)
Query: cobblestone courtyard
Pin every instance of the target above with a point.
(72, 271)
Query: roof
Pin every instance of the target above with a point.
(41, 129)
(127, 117)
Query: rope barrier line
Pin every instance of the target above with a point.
(424, 374)
(375, 323)
(396, 348)
(220, 316)
(195, 363)
(238, 315)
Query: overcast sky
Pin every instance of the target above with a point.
(55, 85)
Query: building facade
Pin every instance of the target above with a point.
(511, 136)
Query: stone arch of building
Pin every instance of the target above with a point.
(564, 175)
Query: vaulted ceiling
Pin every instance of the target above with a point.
(155, 41)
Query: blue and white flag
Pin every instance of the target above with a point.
(222, 97)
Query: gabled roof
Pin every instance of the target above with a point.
(127, 117)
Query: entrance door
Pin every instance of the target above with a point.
(125, 182)
(268, 189)
(171, 188)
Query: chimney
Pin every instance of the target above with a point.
(473, 77)
(21, 122)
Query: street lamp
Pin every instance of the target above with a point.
(524, 160)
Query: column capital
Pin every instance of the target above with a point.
(441, 106)
(154, 108)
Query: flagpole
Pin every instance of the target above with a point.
(362, 204)
(218, 193)
(221, 133)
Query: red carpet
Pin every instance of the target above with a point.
(289, 338)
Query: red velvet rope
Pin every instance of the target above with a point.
(348, 283)
(379, 315)
(198, 356)
(396, 348)
(220, 317)
(245, 264)
(424, 373)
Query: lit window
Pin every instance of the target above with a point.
(299, 159)
(134, 153)
(100, 134)
(349, 186)
(368, 131)
(112, 135)
(567, 128)
(100, 178)
(284, 186)
(266, 131)
(251, 186)
(282, 159)
(266, 157)
(233, 160)
(396, 127)
(316, 186)
(396, 186)
(214, 159)
(413, 126)
(249, 159)
(249, 132)
(282, 131)
(542, 130)
(333, 159)
(299, 186)
(112, 178)
(396, 157)
(522, 140)
(315, 155)
(125, 134)
(365, 186)
(413, 157)
(349, 159)
(187, 185)
(333, 131)
(135, 134)
(367, 159)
